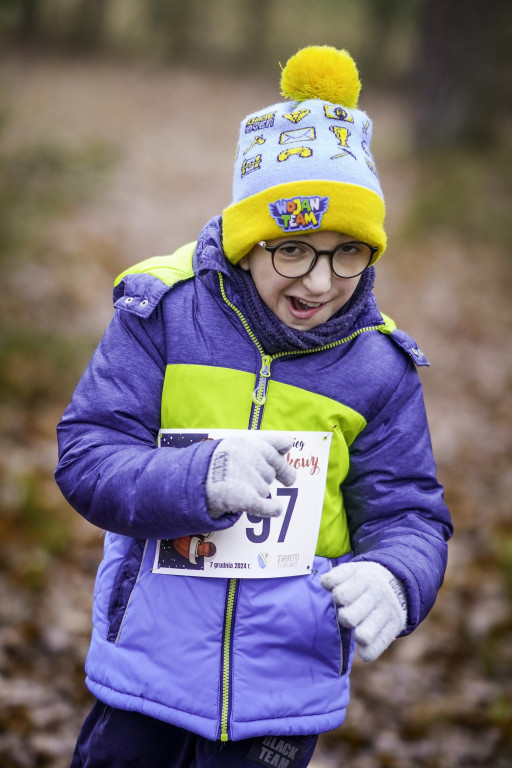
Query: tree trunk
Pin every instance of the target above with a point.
(29, 20)
(89, 24)
(458, 98)
(176, 19)
(256, 20)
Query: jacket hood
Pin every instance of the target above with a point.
(209, 255)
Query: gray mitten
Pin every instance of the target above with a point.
(372, 602)
(241, 472)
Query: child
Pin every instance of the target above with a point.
(270, 325)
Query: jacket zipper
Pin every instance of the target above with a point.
(226, 658)
(259, 397)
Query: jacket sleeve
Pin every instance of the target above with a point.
(110, 469)
(395, 508)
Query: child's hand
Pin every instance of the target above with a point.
(372, 602)
(241, 472)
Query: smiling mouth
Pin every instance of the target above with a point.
(300, 305)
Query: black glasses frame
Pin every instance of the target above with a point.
(273, 248)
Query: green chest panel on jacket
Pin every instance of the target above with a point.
(211, 397)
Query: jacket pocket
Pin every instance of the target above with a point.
(347, 648)
(345, 642)
(122, 588)
(345, 635)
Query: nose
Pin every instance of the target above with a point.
(318, 281)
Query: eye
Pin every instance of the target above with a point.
(350, 249)
(292, 250)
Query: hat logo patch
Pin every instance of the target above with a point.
(299, 213)
(337, 113)
(298, 134)
(258, 140)
(251, 164)
(297, 115)
(259, 122)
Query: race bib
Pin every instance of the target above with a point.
(256, 547)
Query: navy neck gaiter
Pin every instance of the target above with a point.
(275, 336)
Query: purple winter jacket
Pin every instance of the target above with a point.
(229, 658)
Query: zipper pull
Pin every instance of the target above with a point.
(265, 366)
(259, 395)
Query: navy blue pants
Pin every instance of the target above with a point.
(113, 738)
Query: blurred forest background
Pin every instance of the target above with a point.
(118, 124)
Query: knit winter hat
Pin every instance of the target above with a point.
(307, 165)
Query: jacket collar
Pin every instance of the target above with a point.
(209, 255)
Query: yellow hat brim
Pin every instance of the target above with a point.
(353, 210)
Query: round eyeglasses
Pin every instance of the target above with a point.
(294, 258)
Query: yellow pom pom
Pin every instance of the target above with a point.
(321, 72)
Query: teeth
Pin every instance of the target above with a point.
(308, 304)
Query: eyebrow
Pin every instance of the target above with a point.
(306, 239)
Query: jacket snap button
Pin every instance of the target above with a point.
(128, 300)
(144, 303)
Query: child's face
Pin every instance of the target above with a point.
(303, 302)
